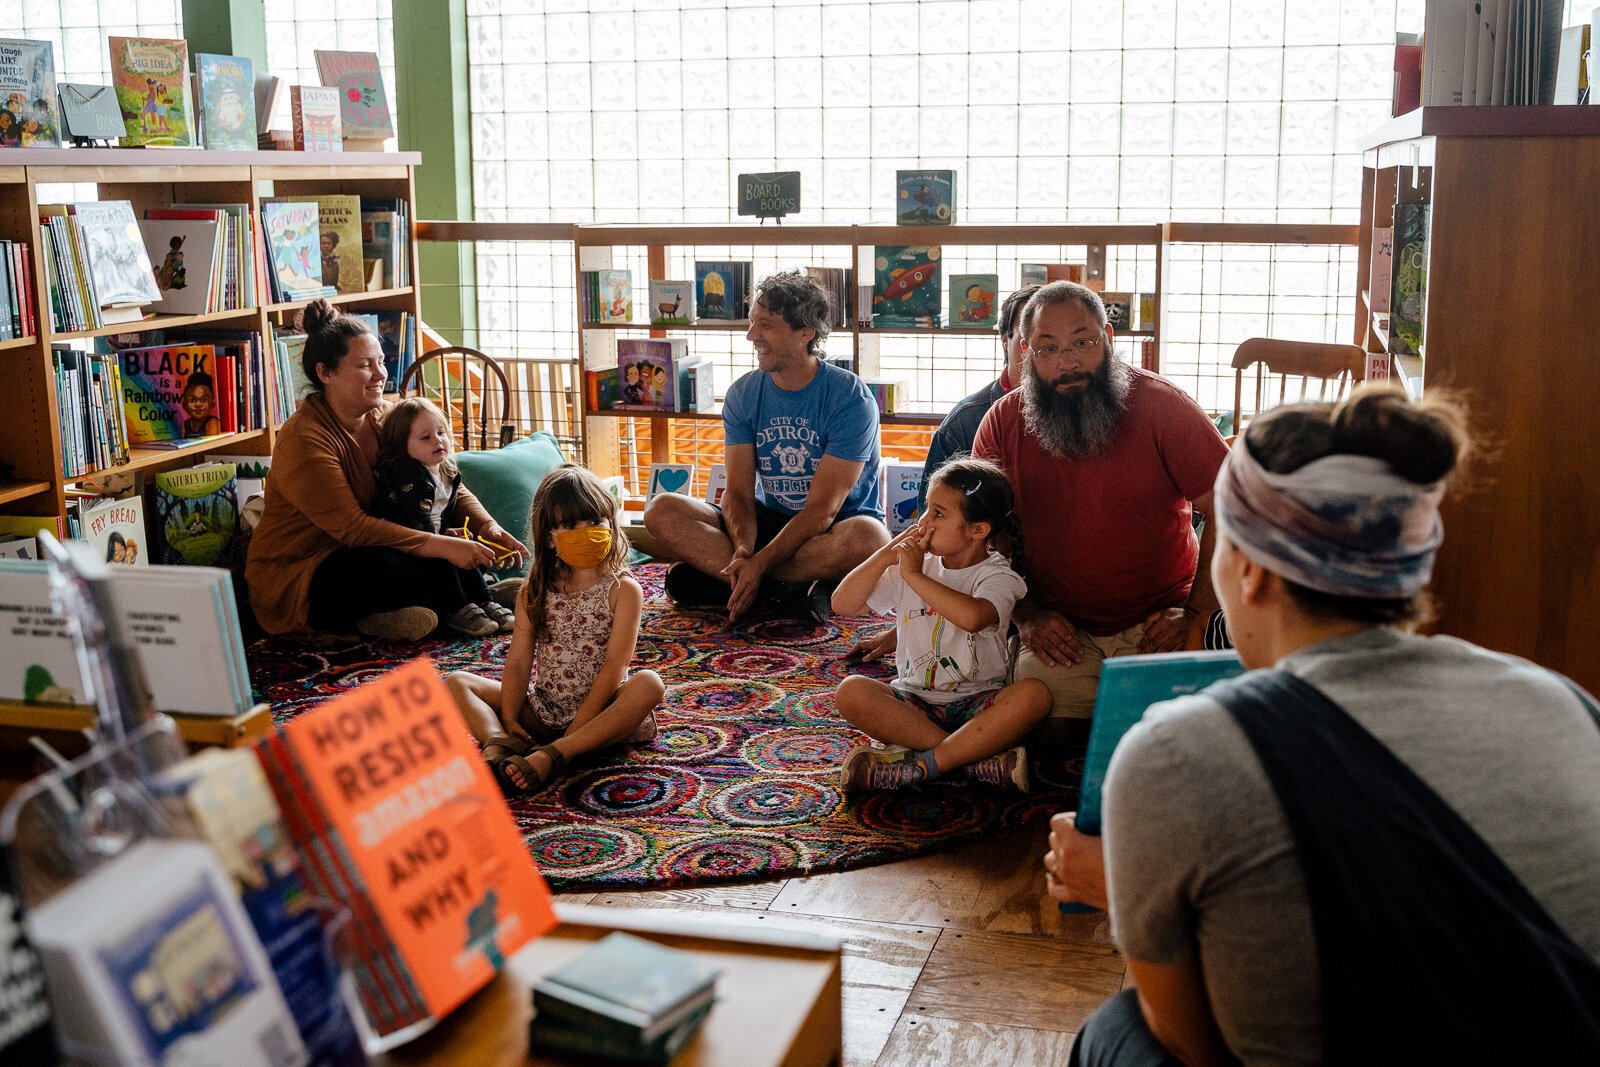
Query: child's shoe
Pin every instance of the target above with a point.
(872, 767)
(471, 621)
(504, 619)
(1008, 770)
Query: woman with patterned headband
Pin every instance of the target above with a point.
(1374, 847)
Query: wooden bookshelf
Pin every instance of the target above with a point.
(30, 441)
(1513, 329)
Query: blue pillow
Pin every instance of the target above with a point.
(505, 479)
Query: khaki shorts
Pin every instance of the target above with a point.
(1074, 687)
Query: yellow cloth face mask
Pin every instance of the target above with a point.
(584, 547)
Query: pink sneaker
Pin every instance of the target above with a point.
(1008, 770)
(872, 767)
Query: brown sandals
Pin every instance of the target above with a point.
(503, 753)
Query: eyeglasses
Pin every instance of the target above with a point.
(1081, 346)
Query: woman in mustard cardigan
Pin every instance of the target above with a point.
(318, 562)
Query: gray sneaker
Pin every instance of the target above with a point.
(505, 619)
(1008, 770)
(871, 767)
(471, 621)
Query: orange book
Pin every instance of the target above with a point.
(398, 818)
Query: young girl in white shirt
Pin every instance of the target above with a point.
(951, 587)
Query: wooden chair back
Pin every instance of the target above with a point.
(471, 389)
(1304, 371)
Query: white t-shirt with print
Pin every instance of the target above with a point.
(936, 660)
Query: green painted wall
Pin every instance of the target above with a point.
(227, 28)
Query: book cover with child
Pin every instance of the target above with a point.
(28, 88)
(151, 79)
(197, 515)
(169, 393)
(647, 372)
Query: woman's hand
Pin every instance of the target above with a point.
(1075, 866)
(497, 535)
(459, 551)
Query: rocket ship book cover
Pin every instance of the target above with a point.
(905, 290)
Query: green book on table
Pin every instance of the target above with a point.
(624, 985)
(548, 1032)
(1128, 686)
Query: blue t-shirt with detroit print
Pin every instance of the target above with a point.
(834, 415)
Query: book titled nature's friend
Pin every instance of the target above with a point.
(28, 89)
(387, 785)
(169, 392)
(151, 79)
(227, 102)
(363, 104)
(197, 514)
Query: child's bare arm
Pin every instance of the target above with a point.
(850, 597)
(627, 606)
(970, 613)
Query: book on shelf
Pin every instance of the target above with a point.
(114, 527)
(839, 283)
(607, 296)
(227, 102)
(1381, 273)
(151, 78)
(671, 303)
(722, 289)
(239, 250)
(90, 112)
(902, 489)
(89, 403)
(392, 242)
(28, 88)
(716, 483)
(183, 620)
(289, 376)
(1573, 78)
(250, 473)
(1444, 48)
(122, 280)
(363, 105)
(885, 393)
(314, 110)
(16, 291)
(187, 255)
(195, 519)
(386, 783)
(600, 389)
(1147, 310)
(697, 383)
(293, 238)
(380, 249)
(1119, 309)
(170, 392)
(1409, 284)
(905, 289)
(338, 239)
(670, 478)
(647, 372)
(925, 197)
(626, 986)
(973, 300)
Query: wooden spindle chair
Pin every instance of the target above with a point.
(468, 385)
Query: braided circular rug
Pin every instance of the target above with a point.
(743, 780)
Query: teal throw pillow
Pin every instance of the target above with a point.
(504, 480)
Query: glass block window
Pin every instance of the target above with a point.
(78, 29)
(297, 28)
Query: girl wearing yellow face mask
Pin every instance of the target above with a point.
(578, 618)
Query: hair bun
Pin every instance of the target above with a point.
(317, 315)
(1421, 441)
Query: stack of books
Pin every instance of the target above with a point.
(16, 291)
(386, 242)
(98, 269)
(607, 296)
(838, 281)
(624, 998)
(94, 434)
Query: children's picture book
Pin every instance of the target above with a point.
(28, 88)
(902, 483)
(697, 383)
(905, 290)
(151, 77)
(90, 112)
(1119, 310)
(615, 292)
(294, 238)
(722, 290)
(626, 983)
(974, 302)
(314, 111)
(338, 240)
(600, 388)
(227, 102)
(925, 197)
(671, 303)
(1147, 311)
(716, 483)
(196, 515)
(116, 530)
(363, 105)
(670, 478)
(421, 848)
(647, 372)
(1409, 289)
(183, 253)
(117, 257)
(169, 392)
(1382, 269)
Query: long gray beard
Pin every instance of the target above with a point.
(1076, 427)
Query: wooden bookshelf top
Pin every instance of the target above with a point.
(187, 157)
(17, 490)
(1550, 120)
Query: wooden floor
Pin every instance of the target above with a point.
(952, 957)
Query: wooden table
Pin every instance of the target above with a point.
(778, 996)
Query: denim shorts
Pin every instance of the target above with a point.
(953, 715)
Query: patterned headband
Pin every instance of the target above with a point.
(1343, 525)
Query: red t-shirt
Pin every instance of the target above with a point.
(1108, 539)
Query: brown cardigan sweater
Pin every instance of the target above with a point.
(317, 495)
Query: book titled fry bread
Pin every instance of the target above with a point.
(398, 818)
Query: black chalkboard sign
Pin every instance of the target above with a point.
(769, 196)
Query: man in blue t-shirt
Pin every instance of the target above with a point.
(801, 506)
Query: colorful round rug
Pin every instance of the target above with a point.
(743, 781)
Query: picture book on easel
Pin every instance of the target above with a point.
(363, 105)
(28, 91)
